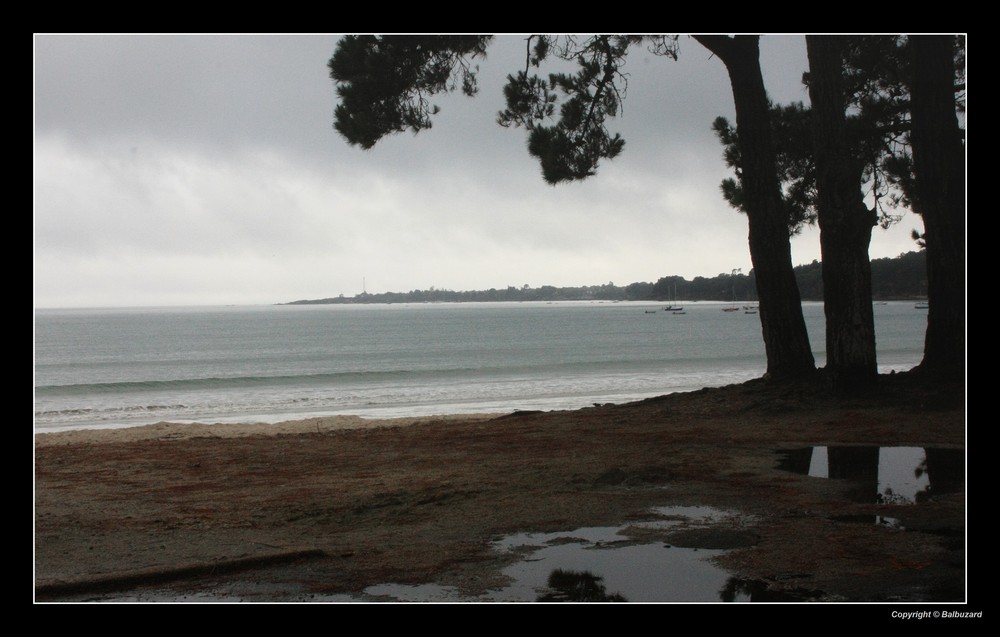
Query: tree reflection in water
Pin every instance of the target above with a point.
(945, 469)
(577, 586)
(874, 472)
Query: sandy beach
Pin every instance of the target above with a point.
(329, 506)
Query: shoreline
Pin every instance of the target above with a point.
(448, 410)
(421, 500)
(182, 431)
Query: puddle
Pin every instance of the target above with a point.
(577, 586)
(640, 562)
(412, 593)
(653, 572)
(883, 475)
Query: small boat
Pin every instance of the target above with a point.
(923, 305)
(730, 309)
(750, 311)
(680, 312)
(650, 311)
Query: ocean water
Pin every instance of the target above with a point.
(126, 367)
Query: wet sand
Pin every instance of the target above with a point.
(325, 506)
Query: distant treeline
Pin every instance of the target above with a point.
(903, 277)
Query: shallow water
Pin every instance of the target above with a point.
(602, 559)
(883, 475)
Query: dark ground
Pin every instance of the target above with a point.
(315, 513)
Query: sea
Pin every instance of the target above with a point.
(105, 368)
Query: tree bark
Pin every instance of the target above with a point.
(786, 340)
(939, 168)
(845, 224)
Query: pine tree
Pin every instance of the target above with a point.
(845, 221)
(851, 147)
(939, 171)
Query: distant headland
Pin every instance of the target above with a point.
(902, 277)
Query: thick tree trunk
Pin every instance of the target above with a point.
(786, 340)
(939, 167)
(845, 224)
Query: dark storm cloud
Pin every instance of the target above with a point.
(179, 168)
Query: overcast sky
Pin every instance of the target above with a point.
(204, 170)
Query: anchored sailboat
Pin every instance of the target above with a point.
(734, 307)
(672, 307)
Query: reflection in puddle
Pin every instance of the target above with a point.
(883, 475)
(577, 586)
(605, 564)
(653, 572)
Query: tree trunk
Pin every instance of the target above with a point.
(845, 224)
(939, 168)
(786, 340)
